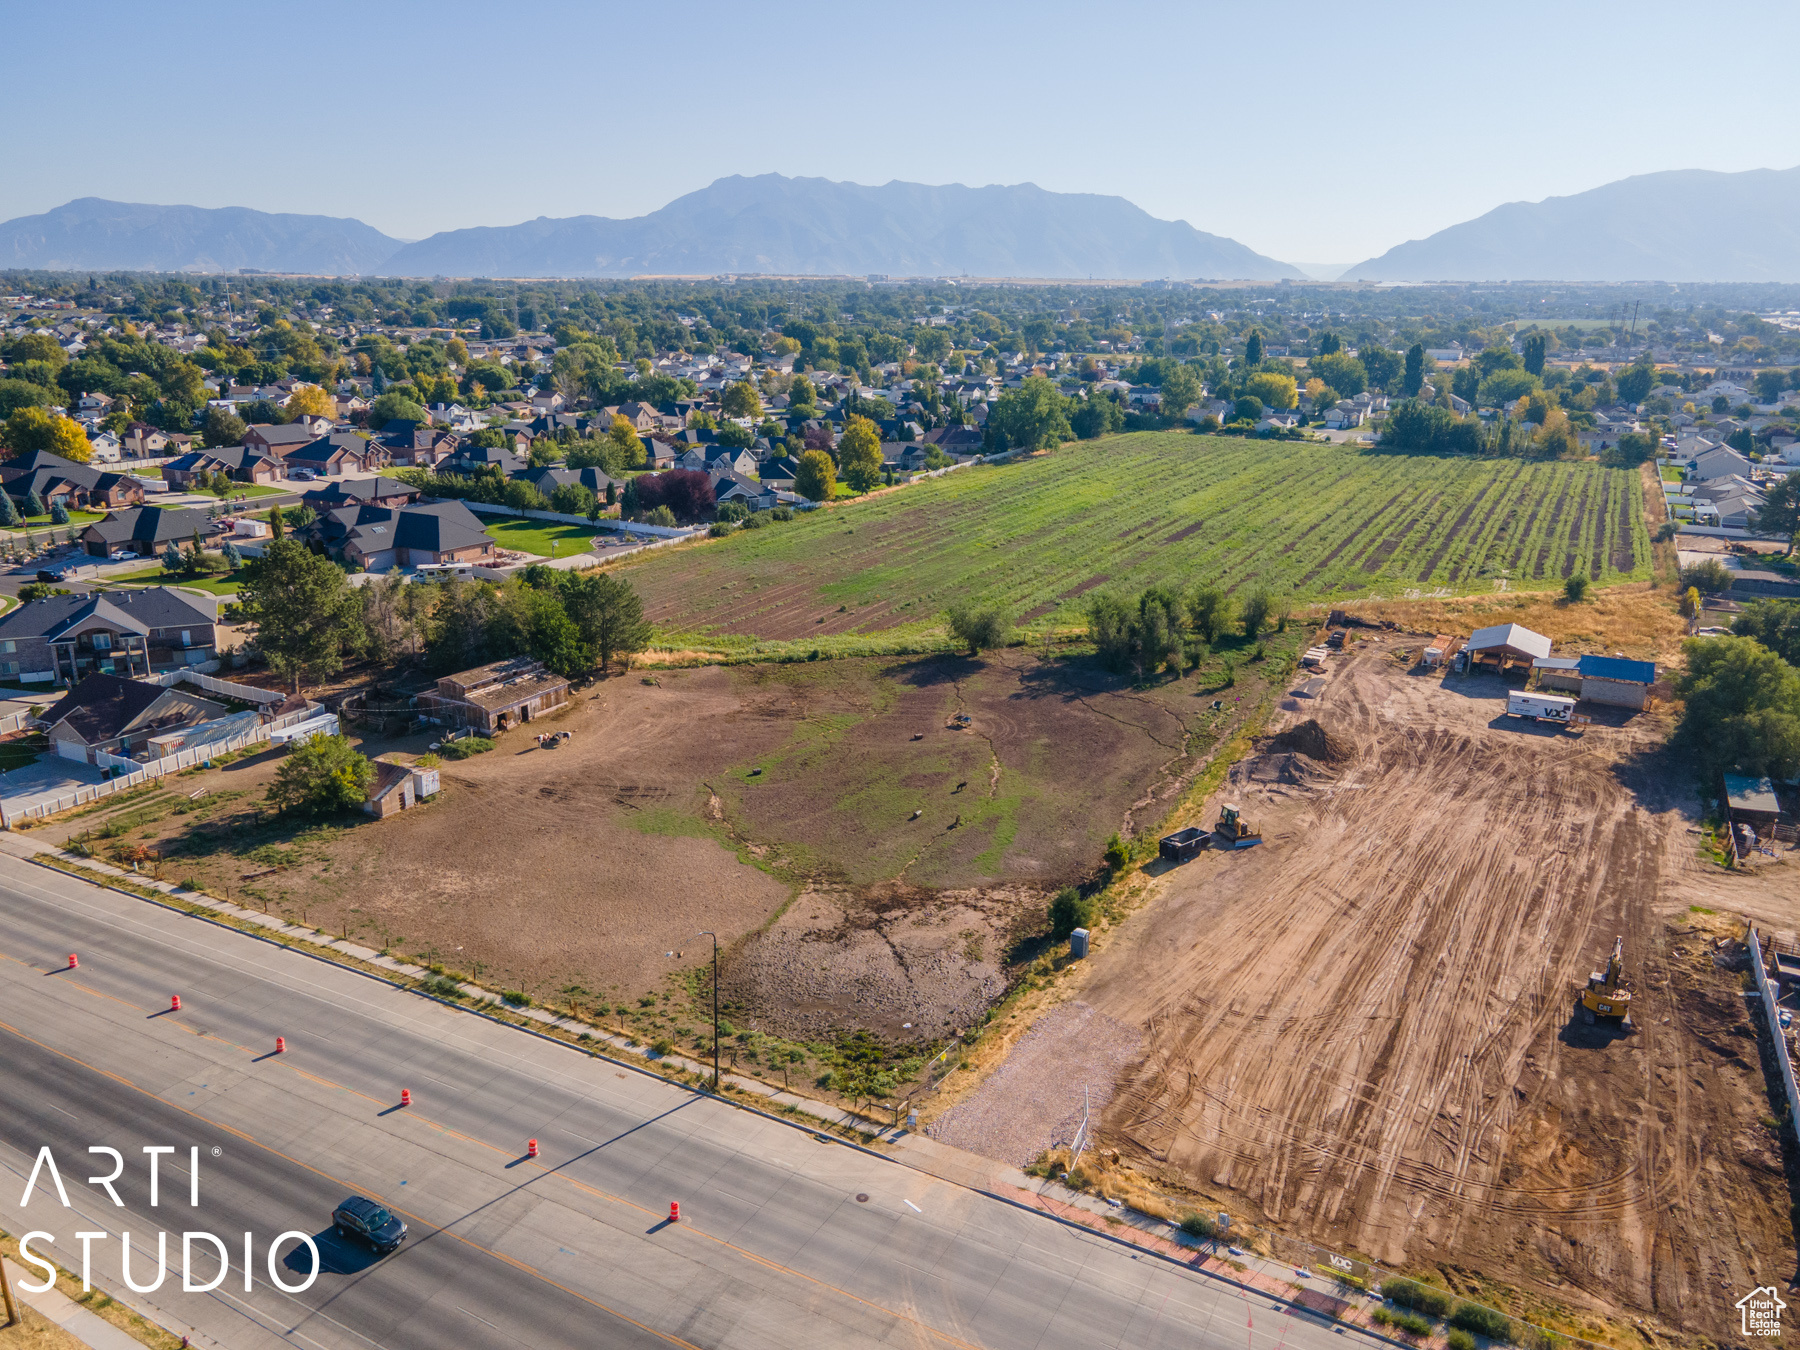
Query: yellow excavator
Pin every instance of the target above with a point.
(1233, 831)
(1608, 994)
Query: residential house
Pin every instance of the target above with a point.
(781, 473)
(334, 456)
(108, 714)
(54, 478)
(62, 638)
(143, 441)
(376, 538)
(412, 446)
(641, 415)
(547, 401)
(105, 448)
(278, 441)
(1719, 462)
(547, 479)
(455, 417)
(147, 530)
(243, 463)
(95, 404)
(379, 490)
(497, 696)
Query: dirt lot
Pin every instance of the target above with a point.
(1362, 1030)
(707, 799)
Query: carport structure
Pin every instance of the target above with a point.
(1506, 643)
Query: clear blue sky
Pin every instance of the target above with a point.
(1311, 132)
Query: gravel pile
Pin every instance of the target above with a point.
(1034, 1101)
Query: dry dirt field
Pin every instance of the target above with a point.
(1362, 1030)
(708, 799)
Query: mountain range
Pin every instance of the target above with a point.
(1683, 225)
(765, 224)
(91, 234)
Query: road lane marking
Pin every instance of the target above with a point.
(914, 1208)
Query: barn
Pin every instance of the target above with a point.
(1506, 644)
(1561, 673)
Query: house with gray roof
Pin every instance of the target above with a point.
(147, 530)
(377, 538)
(64, 638)
(108, 714)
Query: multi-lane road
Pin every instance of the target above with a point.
(785, 1239)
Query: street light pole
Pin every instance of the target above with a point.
(715, 937)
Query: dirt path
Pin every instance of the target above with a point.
(1361, 1030)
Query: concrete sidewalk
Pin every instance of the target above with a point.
(55, 1306)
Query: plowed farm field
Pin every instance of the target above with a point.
(1309, 521)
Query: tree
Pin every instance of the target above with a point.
(1381, 364)
(1710, 577)
(1743, 706)
(9, 511)
(222, 428)
(1504, 387)
(1257, 608)
(687, 493)
(301, 609)
(323, 775)
(1096, 415)
(233, 559)
(1413, 379)
(395, 407)
(59, 512)
(859, 453)
(1249, 408)
(1780, 511)
(609, 615)
(34, 504)
(1181, 391)
(1330, 344)
(172, 560)
(1274, 389)
(816, 478)
(572, 499)
(1343, 373)
(1035, 416)
(35, 428)
(1635, 382)
(1253, 349)
(1575, 587)
(1112, 628)
(1774, 623)
(1209, 610)
(310, 400)
(741, 400)
(1534, 355)
(16, 394)
(1069, 910)
(1769, 384)
(977, 629)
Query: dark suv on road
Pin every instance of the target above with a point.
(361, 1218)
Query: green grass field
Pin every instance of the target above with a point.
(537, 536)
(1309, 521)
(156, 576)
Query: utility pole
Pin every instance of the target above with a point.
(715, 937)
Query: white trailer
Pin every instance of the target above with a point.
(1540, 707)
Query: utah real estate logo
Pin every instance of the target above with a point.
(1761, 1309)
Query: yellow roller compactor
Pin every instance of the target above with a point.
(1608, 994)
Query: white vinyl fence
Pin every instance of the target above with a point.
(135, 774)
(243, 693)
(1771, 1012)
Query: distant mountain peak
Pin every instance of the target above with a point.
(1678, 225)
(775, 224)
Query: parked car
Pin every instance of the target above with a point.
(49, 575)
(303, 475)
(122, 555)
(360, 1217)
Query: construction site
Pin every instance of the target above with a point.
(1395, 1027)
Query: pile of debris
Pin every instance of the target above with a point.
(1312, 740)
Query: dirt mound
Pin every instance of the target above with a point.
(1313, 741)
(1288, 767)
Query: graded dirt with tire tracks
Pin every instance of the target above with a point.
(1362, 1031)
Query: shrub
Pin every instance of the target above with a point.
(1068, 911)
(732, 511)
(977, 629)
(720, 528)
(1199, 1226)
(324, 775)
(1711, 577)
(782, 513)
(1460, 1339)
(1412, 1294)
(1496, 1326)
(1413, 1323)
(1118, 854)
(469, 745)
(662, 1046)
(1575, 589)
(441, 985)
(517, 997)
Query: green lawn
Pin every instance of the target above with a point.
(1671, 474)
(217, 584)
(1307, 520)
(536, 536)
(150, 471)
(254, 490)
(75, 518)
